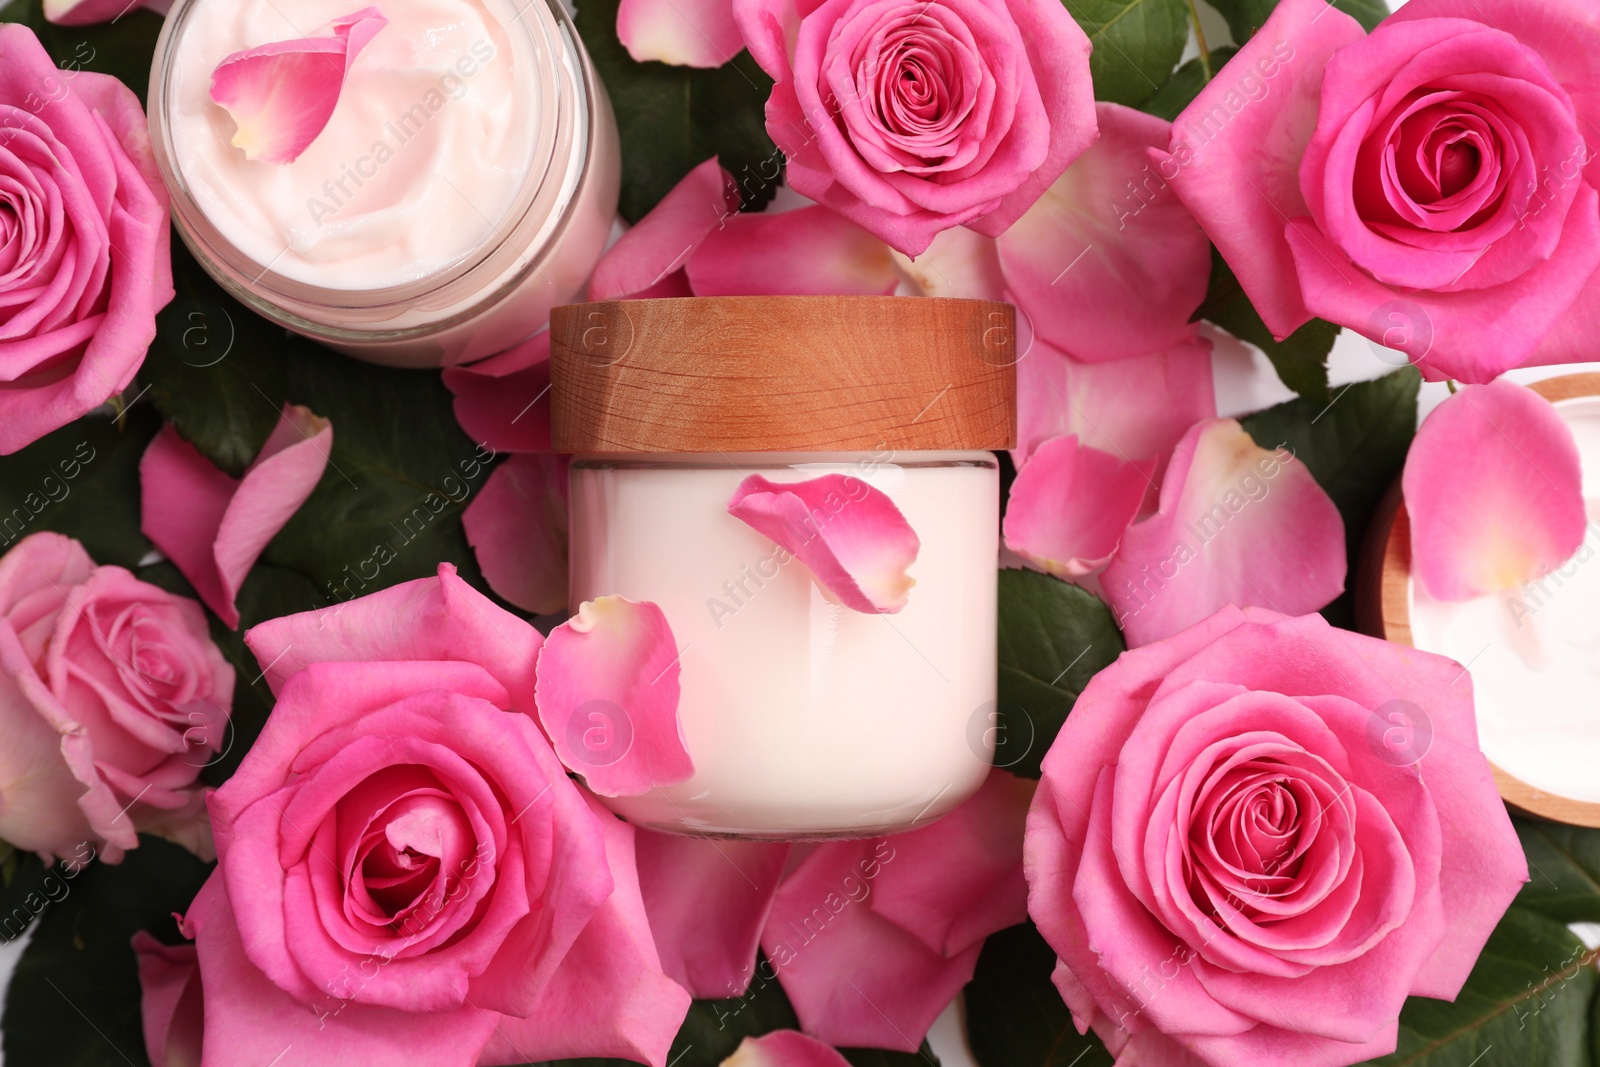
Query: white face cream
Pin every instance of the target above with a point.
(1534, 652)
(423, 158)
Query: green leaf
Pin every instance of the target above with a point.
(124, 48)
(1564, 870)
(216, 371)
(1526, 1003)
(1015, 1017)
(1301, 359)
(1136, 44)
(82, 481)
(74, 1000)
(671, 119)
(1054, 637)
(1367, 12)
(1184, 85)
(1245, 17)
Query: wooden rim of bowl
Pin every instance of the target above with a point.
(783, 374)
(1388, 615)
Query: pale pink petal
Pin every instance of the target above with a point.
(1136, 408)
(1494, 490)
(171, 1006)
(503, 402)
(957, 881)
(1070, 504)
(214, 528)
(1108, 263)
(959, 263)
(784, 1048)
(707, 901)
(609, 997)
(1236, 151)
(517, 525)
(608, 697)
(849, 534)
(810, 251)
(1237, 524)
(685, 33)
(649, 258)
(281, 95)
(90, 12)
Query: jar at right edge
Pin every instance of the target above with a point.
(805, 718)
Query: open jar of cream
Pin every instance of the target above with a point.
(808, 710)
(463, 185)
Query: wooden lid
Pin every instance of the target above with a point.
(1383, 598)
(783, 374)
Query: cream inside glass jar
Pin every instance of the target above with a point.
(804, 718)
(464, 184)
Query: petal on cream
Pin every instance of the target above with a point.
(214, 528)
(171, 1005)
(1494, 491)
(708, 901)
(608, 697)
(517, 525)
(850, 535)
(1107, 269)
(784, 1048)
(684, 33)
(281, 95)
(649, 259)
(1237, 524)
(1070, 504)
(811, 251)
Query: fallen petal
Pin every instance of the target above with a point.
(1494, 490)
(214, 528)
(850, 535)
(281, 95)
(1237, 524)
(784, 1048)
(503, 402)
(649, 259)
(607, 693)
(517, 525)
(171, 1005)
(1070, 504)
(959, 263)
(811, 251)
(684, 33)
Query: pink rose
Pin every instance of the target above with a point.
(405, 872)
(112, 696)
(912, 117)
(85, 262)
(1429, 186)
(1255, 839)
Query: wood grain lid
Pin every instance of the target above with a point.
(783, 374)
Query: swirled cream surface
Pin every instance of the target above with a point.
(421, 161)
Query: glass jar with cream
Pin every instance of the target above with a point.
(808, 711)
(464, 183)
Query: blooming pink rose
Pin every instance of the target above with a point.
(1430, 186)
(1253, 840)
(85, 262)
(910, 118)
(112, 697)
(405, 872)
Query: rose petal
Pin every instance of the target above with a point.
(503, 402)
(1514, 514)
(90, 12)
(648, 259)
(849, 534)
(1136, 409)
(1105, 269)
(517, 525)
(281, 95)
(170, 1003)
(1070, 504)
(1236, 525)
(708, 901)
(809, 251)
(214, 528)
(959, 263)
(685, 33)
(784, 1048)
(608, 697)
